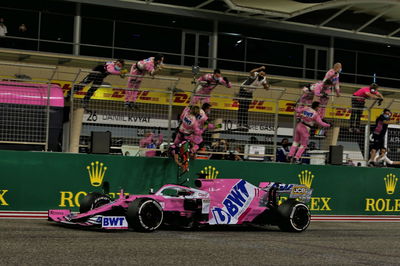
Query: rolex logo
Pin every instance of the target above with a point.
(96, 173)
(390, 183)
(211, 172)
(306, 178)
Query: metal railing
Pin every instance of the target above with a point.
(273, 68)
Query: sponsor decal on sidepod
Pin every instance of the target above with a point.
(235, 204)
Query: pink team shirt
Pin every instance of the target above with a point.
(363, 93)
(205, 89)
(309, 116)
(146, 65)
(189, 123)
(138, 70)
(110, 68)
(334, 77)
(211, 84)
(202, 119)
(320, 88)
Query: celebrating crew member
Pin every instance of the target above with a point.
(203, 122)
(379, 132)
(151, 66)
(333, 76)
(207, 83)
(307, 96)
(97, 77)
(257, 78)
(358, 104)
(308, 91)
(308, 117)
(187, 132)
(322, 92)
(189, 127)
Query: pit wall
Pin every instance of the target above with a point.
(36, 181)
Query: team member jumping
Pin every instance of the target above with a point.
(187, 132)
(257, 78)
(322, 93)
(189, 127)
(207, 83)
(309, 91)
(308, 116)
(308, 94)
(151, 66)
(204, 125)
(97, 77)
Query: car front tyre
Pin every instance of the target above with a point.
(92, 201)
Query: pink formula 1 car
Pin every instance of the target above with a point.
(214, 202)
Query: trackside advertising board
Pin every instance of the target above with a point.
(225, 102)
(36, 181)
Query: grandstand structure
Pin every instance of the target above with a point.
(294, 53)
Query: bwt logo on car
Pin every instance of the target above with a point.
(114, 222)
(237, 201)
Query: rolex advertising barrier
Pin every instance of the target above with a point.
(33, 182)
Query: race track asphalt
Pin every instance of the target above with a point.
(38, 242)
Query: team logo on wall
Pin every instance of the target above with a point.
(306, 177)
(390, 183)
(96, 173)
(210, 171)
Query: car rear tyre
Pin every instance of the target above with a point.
(145, 215)
(294, 216)
(92, 201)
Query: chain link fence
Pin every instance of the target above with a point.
(29, 107)
(131, 115)
(144, 119)
(392, 138)
(351, 128)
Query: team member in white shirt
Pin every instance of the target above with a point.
(257, 78)
(381, 159)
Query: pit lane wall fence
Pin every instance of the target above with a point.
(38, 181)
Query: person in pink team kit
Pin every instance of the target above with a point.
(311, 89)
(193, 124)
(308, 94)
(202, 120)
(150, 141)
(189, 128)
(330, 81)
(358, 104)
(308, 117)
(96, 77)
(207, 83)
(150, 65)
